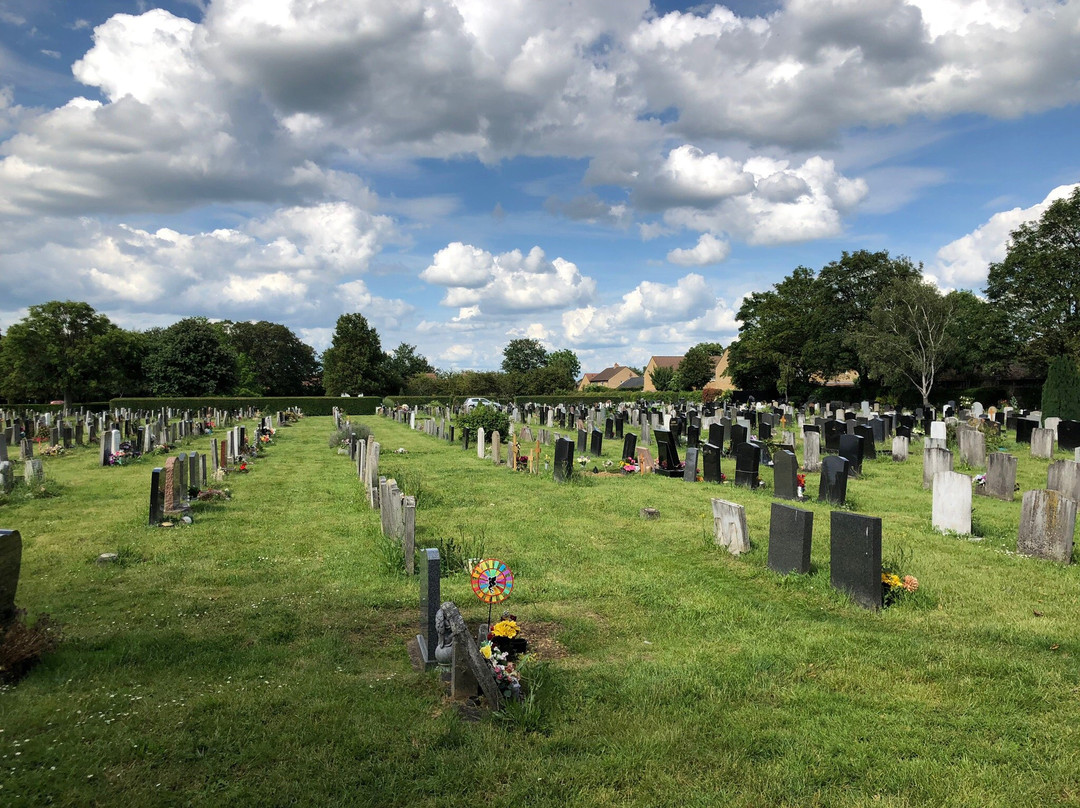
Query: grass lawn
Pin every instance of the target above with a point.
(257, 657)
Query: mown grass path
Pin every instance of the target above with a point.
(257, 657)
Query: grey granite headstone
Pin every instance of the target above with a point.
(430, 597)
(855, 557)
(790, 534)
(1047, 525)
(10, 563)
(785, 475)
(935, 460)
(33, 472)
(900, 447)
(729, 522)
(1064, 476)
(972, 446)
(952, 502)
(1042, 443)
(690, 470)
(1000, 482)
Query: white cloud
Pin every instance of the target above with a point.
(480, 282)
(965, 262)
(709, 250)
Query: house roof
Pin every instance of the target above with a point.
(606, 373)
(633, 383)
(665, 361)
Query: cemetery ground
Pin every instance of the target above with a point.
(257, 657)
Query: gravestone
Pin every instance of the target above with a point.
(10, 564)
(3, 448)
(710, 463)
(609, 428)
(157, 496)
(832, 487)
(972, 445)
(478, 666)
(1024, 428)
(1042, 443)
(951, 510)
(880, 427)
(851, 448)
(900, 447)
(869, 450)
(629, 446)
(833, 432)
(790, 534)
(596, 443)
(582, 441)
(729, 522)
(938, 430)
(812, 451)
(855, 557)
(496, 448)
(564, 460)
(785, 475)
(33, 472)
(747, 462)
(172, 486)
(481, 440)
(1068, 435)
(693, 436)
(690, 470)
(1047, 524)
(7, 477)
(716, 434)
(1064, 476)
(1000, 480)
(935, 460)
(430, 599)
(667, 456)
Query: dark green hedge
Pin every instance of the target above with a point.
(309, 405)
(92, 406)
(614, 395)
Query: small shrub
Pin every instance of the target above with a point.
(487, 417)
(340, 437)
(455, 554)
(22, 645)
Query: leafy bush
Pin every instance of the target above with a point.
(487, 417)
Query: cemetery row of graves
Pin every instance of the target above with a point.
(693, 611)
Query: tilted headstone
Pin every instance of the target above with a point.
(1047, 525)
(729, 522)
(10, 564)
(855, 557)
(790, 534)
(1042, 443)
(832, 487)
(951, 510)
(430, 600)
(473, 658)
(1064, 476)
(935, 460)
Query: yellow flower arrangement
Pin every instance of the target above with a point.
(485, 649)
(505, 628)
(890, 579)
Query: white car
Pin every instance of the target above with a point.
(478, 402)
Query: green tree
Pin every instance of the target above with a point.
(273, 360)
(568, 361)
(403, 364)
(1061, 391)
(354, 363)
(522, 355)
(697, 367)
(907, 336)
(62, 349)
(190, 358)
(1038, 283)
(663, 378)
(985, 343)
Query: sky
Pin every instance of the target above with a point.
(608, 176)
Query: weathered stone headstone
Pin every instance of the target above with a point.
(408, 538)
(937, 430)
(790, 534)
(935, 460)
(729, 522)
(1047, 525)
(7, 476)
(1064, 476)
(1000, 480)
(812, 450)
(952, 502)
(430, 600)
(481, 440)
(855, 557)
(1042, 443)
(473, 658)
(900, 446)
(34, 472)
(10, 564)
(834, 475)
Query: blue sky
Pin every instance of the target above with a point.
(607, 176)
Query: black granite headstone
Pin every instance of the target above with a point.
(747, 461)
(739, 434)
(10, 563)
(157, 496)
(1024, 427)
(790, 533)
(430, 600)
(564, 459)
(466, 433)
(710, 463)
(716, 435)
(855, 557)
(903, 432)
(693, 436)
(667, 455)
(596, 443)
(629, 446)
(609, 428)
(834, 474)
(785, 475)
(1068, 435)
(620, 422)
(851, 448)
(833, 430)
(869, 451)
(582, 441)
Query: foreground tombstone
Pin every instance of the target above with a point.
(855, 557)
(430, 597)
(790, 534)
(1047, 525)
(729, 522)
(10, 563)
(629, 446)
(952, 502)
(473, 658)
(1000, 480)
